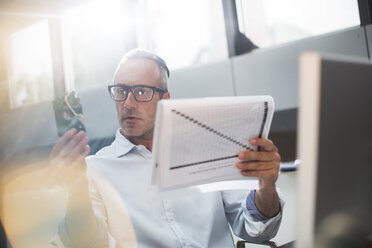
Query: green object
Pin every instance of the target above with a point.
(68, 113)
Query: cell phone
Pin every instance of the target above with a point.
(68, 113)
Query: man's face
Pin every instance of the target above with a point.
(137, 118)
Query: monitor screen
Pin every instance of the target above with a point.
(335, 144)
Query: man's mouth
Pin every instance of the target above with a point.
(131, 118)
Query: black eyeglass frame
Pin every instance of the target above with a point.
(131, 89)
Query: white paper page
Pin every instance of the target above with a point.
(203, 137)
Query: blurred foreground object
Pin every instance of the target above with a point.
(34, 204)
(340, 230)
(31, 208)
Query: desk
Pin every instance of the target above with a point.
(287, 183)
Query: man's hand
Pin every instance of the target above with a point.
(68, 164)
(68, 154)
(263, 164)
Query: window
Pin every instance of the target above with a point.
(30, 67)
(97, 34)
(270, 22)
(185, 32)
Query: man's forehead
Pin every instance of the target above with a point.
(137, 70)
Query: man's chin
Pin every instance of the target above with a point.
(136, 133)
(130, 133)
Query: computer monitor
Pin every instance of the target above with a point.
(334, 142)
(3, 241)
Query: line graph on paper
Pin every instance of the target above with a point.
(205, 137)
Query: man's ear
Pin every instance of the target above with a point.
(166, 95)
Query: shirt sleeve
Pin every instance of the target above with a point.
(251, 206)
(102, 238)
(246, 221)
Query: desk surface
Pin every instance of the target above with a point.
(287, 183)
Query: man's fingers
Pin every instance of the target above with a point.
(77, 159)
(260, 174)
(79, 149)
(259, 156)
(252, 166)
(265, 144)
(263, 164)
(269, 151)
(79, 162)
(83, 154)
(258, 169)
(62, 142)
(86, 151)
(71, 149)
(72, 143)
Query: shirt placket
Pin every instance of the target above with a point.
(169, 215)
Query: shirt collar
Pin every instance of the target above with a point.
(122, 145)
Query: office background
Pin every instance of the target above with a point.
(28, 129)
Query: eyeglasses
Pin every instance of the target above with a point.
(142, 93)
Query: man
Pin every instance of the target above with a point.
(199, 220)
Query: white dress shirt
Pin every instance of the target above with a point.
(131, 212)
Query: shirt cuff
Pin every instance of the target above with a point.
(253, 211)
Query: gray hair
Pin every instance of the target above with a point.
(138, 53)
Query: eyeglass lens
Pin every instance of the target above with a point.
(140, 93)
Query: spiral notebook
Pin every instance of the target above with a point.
(196, 141)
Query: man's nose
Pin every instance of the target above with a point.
(130, 102)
